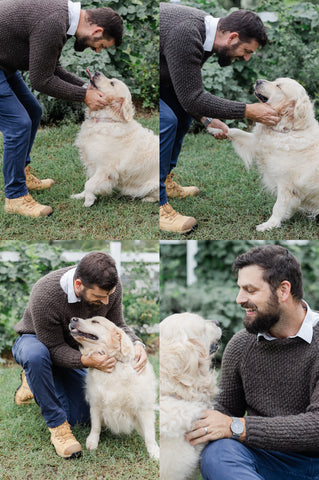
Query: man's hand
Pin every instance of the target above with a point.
(140, 358)
(217, 426)
(99, 361)
(215, 123)
(95, 99)
(263, 113)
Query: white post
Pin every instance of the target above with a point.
(115, 252)
(191, 263)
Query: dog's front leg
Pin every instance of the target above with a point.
(244, 145)
(286, 204)
(146, 421)
(92, 440)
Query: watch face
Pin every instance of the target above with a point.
(237, 427)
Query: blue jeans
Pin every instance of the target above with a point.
(20, 115)
(59, 391)
(231, 460)
(174, 124)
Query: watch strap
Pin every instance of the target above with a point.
(207, 121)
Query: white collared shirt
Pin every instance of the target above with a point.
(74, 16)
(211, 29)
(67, 285)
(306, 330)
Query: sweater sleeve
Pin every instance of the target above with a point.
(231, 397)
(183, 59)
(46, 74)
(48, 327)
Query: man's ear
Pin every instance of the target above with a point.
(233, 38)
(284, 291)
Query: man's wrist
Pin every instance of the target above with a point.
(206, 121)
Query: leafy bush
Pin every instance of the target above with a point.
(135, 61)
(292, 51)
(140, 300)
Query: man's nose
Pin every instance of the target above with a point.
(241, 298)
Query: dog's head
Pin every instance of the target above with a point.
(120, 104)
(100, 335)
(289, 99)
(187, 344)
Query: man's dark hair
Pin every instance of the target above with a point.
(109, 20)
(278, 264)
(247, 24)
(99, 269)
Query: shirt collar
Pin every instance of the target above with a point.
(74, 16)
(211, 29)
(306, 330)
(67, 285)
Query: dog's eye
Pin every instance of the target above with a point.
(112, 83)
(95, 321)
(278, 86)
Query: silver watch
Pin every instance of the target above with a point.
(237, 428)
(207, 121)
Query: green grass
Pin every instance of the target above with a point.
(26, 453)
(232, 201)
(113, 217)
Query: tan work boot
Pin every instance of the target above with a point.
(65, 444)
(23, 394)
(172, 221)
(26, 206)
(174, 190)
(34, 183)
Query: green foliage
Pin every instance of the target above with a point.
(16, 281)
(292, 51)
(140, 298)
(135, 61)
(214, 294)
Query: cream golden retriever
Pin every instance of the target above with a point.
(286, 154)
(117, 152)
(122, 400)
(187, 386)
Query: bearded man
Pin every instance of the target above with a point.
(188, 37)
(32, 36)
(265, 425)
(54, 370)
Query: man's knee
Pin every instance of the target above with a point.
(218, 455)
(168, 120)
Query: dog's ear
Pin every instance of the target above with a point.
(124, 342)
(183, 361)
(123, 107)
(303, 112)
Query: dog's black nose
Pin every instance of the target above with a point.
(97, 74)
(74, 320)
(258, 82)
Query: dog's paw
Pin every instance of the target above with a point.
(78, 196)
(267, 226)
(92, 442)
(149, 199)
(154, 452)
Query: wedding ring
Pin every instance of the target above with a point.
(206, 430)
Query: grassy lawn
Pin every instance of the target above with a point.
(110, 218)
(26, 452)
(232, 201)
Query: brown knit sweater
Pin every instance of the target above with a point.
(277, 383)
(182, 55)
(48, 315)
(32, 35)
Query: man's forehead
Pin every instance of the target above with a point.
(251, 274)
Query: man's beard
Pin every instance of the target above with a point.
(225, 55)
(81, 43)
(94, 305)
(265, 320)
